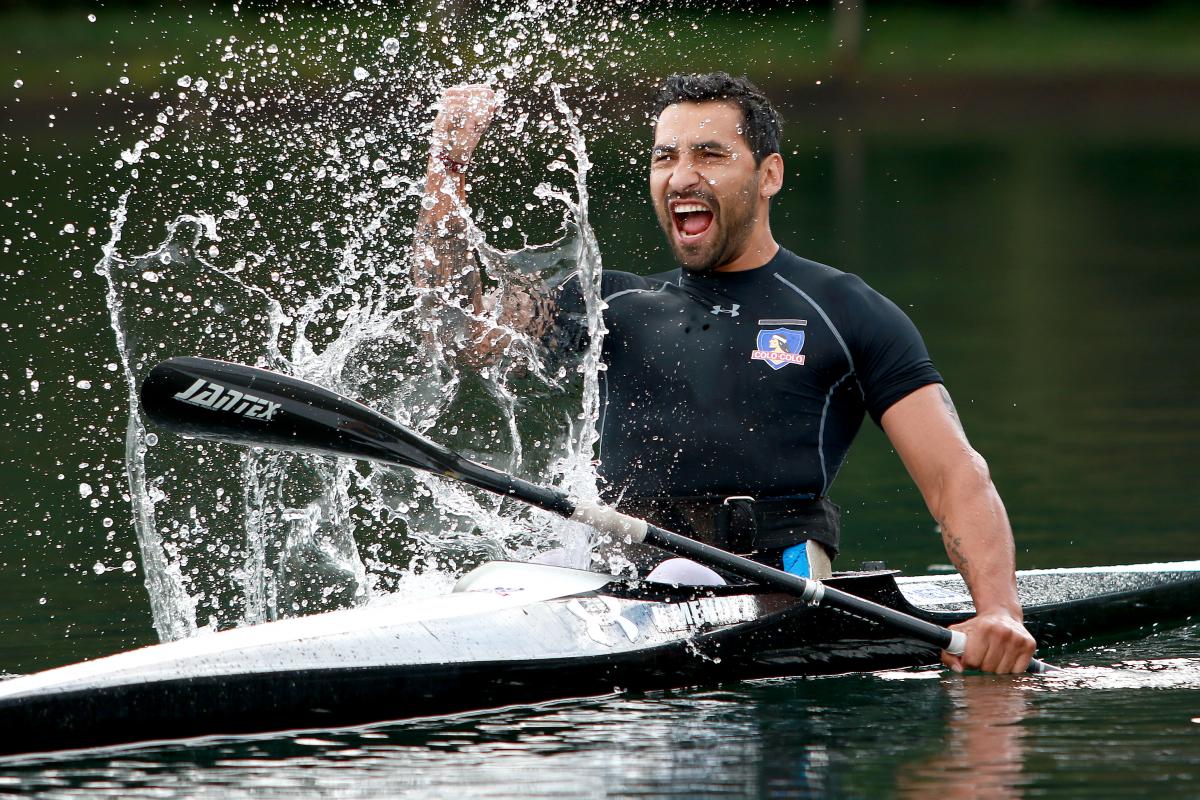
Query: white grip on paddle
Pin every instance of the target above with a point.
(958, 643)
(609, 520)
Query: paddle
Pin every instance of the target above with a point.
(250, 406)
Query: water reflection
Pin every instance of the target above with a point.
(983, 754)
(787, 738)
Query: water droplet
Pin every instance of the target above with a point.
(134, 154)
(128, 565)
(99, 568)
(18, 83)
(83, 384)
(391, 45)
(151, 439)
(185, 81)
(107, 522)
(361, 74)
(85, 490)
(91, 17)
(150, 276)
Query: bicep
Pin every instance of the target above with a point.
(925, 429)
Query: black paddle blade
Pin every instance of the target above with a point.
(235, 403)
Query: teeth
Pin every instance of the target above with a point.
(688, 208)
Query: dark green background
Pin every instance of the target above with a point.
(1028, 191)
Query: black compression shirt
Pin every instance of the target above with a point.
(749, 382)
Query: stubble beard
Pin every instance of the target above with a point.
(726, 242)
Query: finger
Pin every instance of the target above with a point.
(1005, 652)
(1019, 654)
(953, 662)
(481, 95)
(976, 650)
(976, 656)
(996, 661)
(1017, 665)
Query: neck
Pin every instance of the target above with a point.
(759, 249)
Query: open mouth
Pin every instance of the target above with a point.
(692, 219)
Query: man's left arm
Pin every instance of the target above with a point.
(957, 487)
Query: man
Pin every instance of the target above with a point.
(735, 383)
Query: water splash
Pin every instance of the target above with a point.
(173, 609)
(300, 263)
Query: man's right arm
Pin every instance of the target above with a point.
(445, 265)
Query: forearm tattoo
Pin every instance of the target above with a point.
(954, 549)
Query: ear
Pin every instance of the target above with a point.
(770, 180)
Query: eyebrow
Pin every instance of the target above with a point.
(673, 148)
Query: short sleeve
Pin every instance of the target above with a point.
(890, 357)
(569, 332)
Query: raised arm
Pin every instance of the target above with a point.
(957, 487)
(443, 260)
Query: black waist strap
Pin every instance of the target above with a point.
(741, 523)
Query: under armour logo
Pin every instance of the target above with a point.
(733, 312)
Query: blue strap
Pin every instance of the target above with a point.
(795, 560)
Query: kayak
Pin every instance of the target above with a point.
(517, 634)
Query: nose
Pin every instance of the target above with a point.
(684, 176)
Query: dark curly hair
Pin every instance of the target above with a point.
(761, 123)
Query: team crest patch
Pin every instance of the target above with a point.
(779, 347)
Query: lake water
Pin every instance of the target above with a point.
(1052, 269)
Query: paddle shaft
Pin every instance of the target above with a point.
(246, 405)
(812, 591)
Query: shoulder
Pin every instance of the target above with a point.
(614, 281)
(863, 317)
(829, 287)
(614, 284)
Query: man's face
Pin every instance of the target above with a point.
(704, 183)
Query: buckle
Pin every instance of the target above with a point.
(736, 523)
